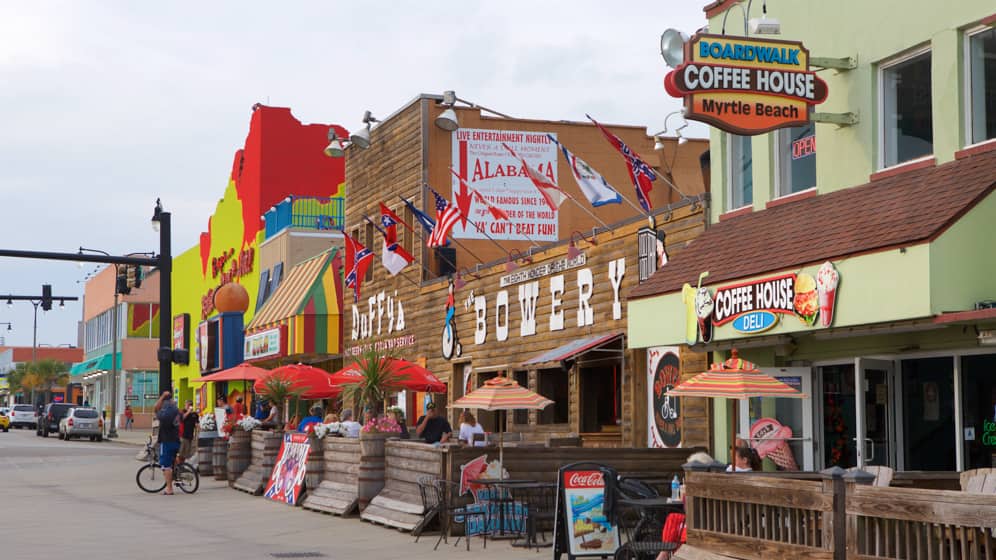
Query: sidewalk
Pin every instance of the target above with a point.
(137, 437)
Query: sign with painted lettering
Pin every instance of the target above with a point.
(263, 344)
(664, 418)
(746, 85)
(384, 314)
(488, 168)
(542, 270)
(534, 300)
(181, 331)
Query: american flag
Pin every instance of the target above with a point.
(447, 215)
(358, 258)
(642, 175)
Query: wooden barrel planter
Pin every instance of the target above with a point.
(239, 454)
(337, 494)
(316, 464)
(205, 456)
(399, 503)
(264, 448)
(370, 479)
(219, 458)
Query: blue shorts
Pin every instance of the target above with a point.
(167, 453)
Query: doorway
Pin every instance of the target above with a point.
(859, 413)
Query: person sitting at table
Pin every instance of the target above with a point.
(432, 427)
(350, 427)
(469, 427)
(745, 459)
(399, 417)
(314, 417)
(331, 418)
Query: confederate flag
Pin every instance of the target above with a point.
(358, 259)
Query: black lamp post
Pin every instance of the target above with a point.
(161, 223)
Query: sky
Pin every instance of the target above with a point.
(106, 106)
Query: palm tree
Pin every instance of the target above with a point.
(23, 378)
(51, 373)
(376, 380)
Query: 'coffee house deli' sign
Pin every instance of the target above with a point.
(754, 307)
(745, 85)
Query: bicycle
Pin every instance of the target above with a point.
(148, 477)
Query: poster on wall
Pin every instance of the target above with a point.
(288, 474)
(663, 412)
(488, 168)
(587, 531)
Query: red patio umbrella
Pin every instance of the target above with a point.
(404, 375)
(315, 382)
(242, 372)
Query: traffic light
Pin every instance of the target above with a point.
(138, 276)
(122, 281)
(133, 275)
(46, 299)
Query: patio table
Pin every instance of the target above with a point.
(501, 497)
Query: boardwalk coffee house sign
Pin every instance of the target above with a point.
(744, 85)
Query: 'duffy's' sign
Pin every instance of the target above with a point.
(746, 85)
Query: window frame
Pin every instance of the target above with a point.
(779, 159)
(966, 84)
(882, 67)
(730, 140)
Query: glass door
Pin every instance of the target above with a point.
(875, 412)
(781, 430)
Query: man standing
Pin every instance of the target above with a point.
(188, 441)
(432, 427)
(169, 436)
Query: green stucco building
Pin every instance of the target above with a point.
(854, 256)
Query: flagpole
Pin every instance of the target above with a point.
(367, 218)
(422, 236)
(589, 212)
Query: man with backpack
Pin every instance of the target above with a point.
(169, 436)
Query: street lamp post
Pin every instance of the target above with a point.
(161, 223)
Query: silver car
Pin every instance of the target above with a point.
(82, 422)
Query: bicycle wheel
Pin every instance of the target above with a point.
(150, 479)
(186, 478)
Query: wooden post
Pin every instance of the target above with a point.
(834, 525)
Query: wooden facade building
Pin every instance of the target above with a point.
(548, 312)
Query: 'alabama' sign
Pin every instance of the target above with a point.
(487, 167)
(746, 85)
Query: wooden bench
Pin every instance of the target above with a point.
(979, 481)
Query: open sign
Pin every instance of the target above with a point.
(805, 146)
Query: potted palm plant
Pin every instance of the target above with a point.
(375, 382)
(279, 390)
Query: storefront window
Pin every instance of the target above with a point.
(553, 385)
(982, 85)
(741, 187)
(796, 157)
(600, 388)
(978, 393)
(928, 414)
(778, 428)
(907, 118)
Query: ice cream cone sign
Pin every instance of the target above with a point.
(698, 311)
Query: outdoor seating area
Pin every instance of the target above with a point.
(834, 514)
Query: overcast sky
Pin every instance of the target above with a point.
(105, 106)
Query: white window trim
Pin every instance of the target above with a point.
(966, 85)
(729, 174)
(880, 103)
(775, 139)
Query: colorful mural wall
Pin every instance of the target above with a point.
(281, 157)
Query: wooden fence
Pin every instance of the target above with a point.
(837, 516)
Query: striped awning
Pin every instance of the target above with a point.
(502, 393)
(291, 293)
(573, 348)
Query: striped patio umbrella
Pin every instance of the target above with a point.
(501, 393)
(734, 379)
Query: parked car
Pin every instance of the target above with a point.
(4, 422)
(23, 416)
(82, 422)
(52, 414)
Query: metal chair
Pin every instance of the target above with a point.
(455, 510)
(429, 492)
(474, 438)
(539, 503)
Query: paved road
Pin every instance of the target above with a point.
(79, 499)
